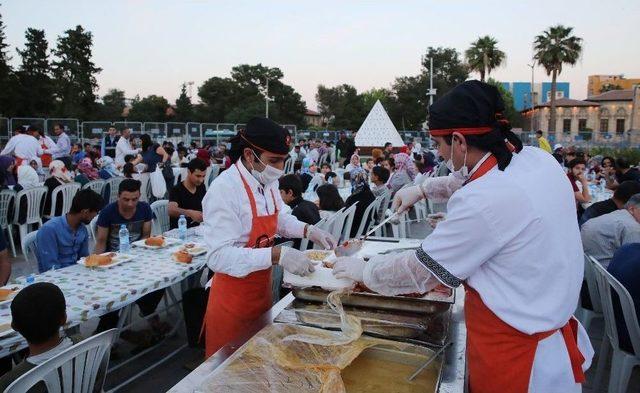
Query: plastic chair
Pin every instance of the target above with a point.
(6, 197)
(304, 243)
(114, 184)
(72, 371)
(587, 316)
(349, 214)
(622, 362)
(160, 223)
(66, 192)
(323, 159)
(288, 166)
(212, 173)
(95, 185)
(92, 228)
(35, 204)
(29, 246)
(369, 215)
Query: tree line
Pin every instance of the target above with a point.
(61, 82)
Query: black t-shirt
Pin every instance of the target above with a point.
(186, 200)
(632, 174)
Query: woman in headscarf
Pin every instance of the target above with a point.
(405, 172)
(86, 172)
(307, 172)
(361, 194)
(59, 176)
(27, 178)
(7, 164)
(107, 168)
(353, 163)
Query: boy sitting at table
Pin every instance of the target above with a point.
(38, 312)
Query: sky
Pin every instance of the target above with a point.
(153, 46)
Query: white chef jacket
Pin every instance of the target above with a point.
(227, 219)
(513, 236)
(123, 148)
(24, 146)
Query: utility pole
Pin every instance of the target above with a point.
(267, 99)
(190, 88)
(431, 91)
(532, 98)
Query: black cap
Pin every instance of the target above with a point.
(469, 108)
(265, 134)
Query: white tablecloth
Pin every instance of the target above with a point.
(92, 293)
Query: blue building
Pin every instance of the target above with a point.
(521, 92)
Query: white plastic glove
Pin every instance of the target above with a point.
(295, 261)
(439, 189)
(406, 197)
(322, 237)
(398, 274)
(348, 267)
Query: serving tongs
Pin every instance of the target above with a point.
(353, 246)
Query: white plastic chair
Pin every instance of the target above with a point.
(622, 362)
(304, 243)
(212, 173)
(369, 215)
(72, 371)
(160, 223)
(66, 192)
(95, 185)
(114, 184)
(6, 197)
(29, 246)
(35, 204)
(288, 166)
(92, 228)
(587, 316)
(343, 232)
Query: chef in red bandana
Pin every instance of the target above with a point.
(243, 212)
(510, 237)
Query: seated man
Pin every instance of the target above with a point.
(625, 267)
(64, 239)
(38, 312)
(602, 236)
(186, 197)
(137, 216)
(622, 194)
(290, 187)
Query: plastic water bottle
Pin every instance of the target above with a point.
(30, 279)
(124, 239)
(603, 185)
(182, 228)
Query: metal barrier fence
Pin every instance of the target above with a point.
(70, 126)
(5, 130)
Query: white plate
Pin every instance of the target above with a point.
(198, 249)
(118, 259)
(168, 241)
(16, 288)
(322, 277)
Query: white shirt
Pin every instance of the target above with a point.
(65, 344)
(24, 146)
(123, 148)
(62, 148)
(603, 235)
(513, 236)
(227, 222)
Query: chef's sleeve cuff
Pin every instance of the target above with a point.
(439, 272)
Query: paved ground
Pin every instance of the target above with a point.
(173, 369)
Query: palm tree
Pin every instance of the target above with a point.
(553, 48)
(484, 56)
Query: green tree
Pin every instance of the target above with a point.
(75, 74)
(385, 96)
(36, 87)
(483, 56)
(448, 70)
(113, 104)
(411, 102)
(216, 94)
(510, 112)
(150, 108)
(553, 48)
(7, 78)
(343, 105)
(184, 108)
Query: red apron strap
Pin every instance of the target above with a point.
(570, 335)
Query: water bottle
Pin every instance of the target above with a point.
(124, 239)
(182, 228)
(603, 185)
(30, 279)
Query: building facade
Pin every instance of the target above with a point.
(521, 92)
(608, 117)
(596, 83)
(313, 118)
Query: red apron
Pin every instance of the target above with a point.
(236, 302)
(500, 357)
(45, 158)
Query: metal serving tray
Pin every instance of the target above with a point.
(431, 303)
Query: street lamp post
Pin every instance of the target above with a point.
(431, 92)
(267, 100)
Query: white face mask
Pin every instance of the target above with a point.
(268, 175)
(463, 172)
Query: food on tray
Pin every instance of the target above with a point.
(349, 247)
(317, 255)
(328, 264)
(182, 257)
(189, 245)
(360, 287)
(99, 260)
(6, 293)
(155, 241)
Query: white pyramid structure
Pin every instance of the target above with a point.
(377, 129)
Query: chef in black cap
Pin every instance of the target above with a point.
(243, 212)
(510, 237)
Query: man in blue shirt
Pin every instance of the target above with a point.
(625, 267)
(64, 239)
